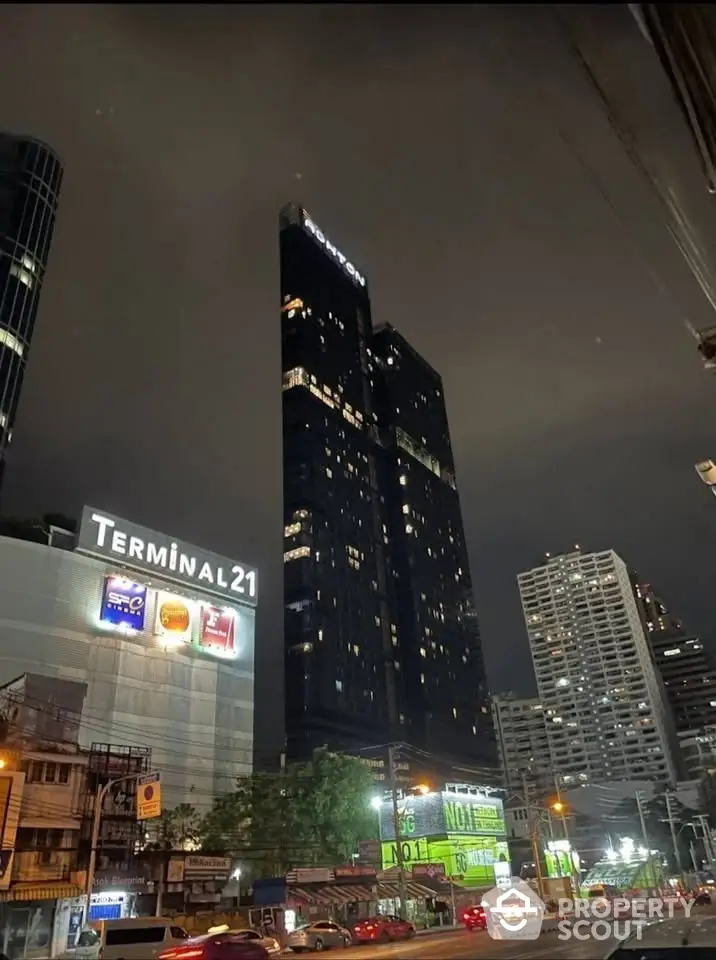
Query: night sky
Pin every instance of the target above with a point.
(459, 157)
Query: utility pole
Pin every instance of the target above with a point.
(96, 821)
(708, 846)
(396, 826)
(645, 836)
(674, 839)
(576, 879)
(534, 838)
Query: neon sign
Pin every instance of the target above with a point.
(318, 234)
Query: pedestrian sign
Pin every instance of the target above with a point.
(149, 797)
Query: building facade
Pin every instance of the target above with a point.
(158, 637)
(698, 748)
(380, 629)
(30, 179)
(342, 684)
(605, 709)
(523, 746)
(685, 668)
(438, 633)
(461, 830)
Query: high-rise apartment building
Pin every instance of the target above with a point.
(441, 653)
(30, 178)
(380, 629)
(685, 669)
(605, 709)
(523, 746)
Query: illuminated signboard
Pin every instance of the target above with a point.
(124, 604)
(218, 631)
(468, 861)
(175, 619)
(436, 814)
(103, 535)
(321, 238)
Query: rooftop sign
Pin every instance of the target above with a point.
(129, 545)
(335, 253)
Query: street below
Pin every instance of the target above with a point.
(463, 945)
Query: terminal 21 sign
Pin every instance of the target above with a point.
(128, 544)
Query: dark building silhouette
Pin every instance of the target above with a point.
(30, 178)
(444, 672)
(685, 668)
(380, 629)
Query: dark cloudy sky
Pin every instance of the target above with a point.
(458, 156)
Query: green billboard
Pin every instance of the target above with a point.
(440, 813)
(469, 861)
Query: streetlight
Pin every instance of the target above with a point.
(376, 802)
(422, 788)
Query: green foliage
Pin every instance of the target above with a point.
(178, 828)
(314, 814)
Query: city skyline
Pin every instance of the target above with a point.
(577, 404)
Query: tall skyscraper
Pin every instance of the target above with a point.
(441, 653)
(685, 669)
(380, 630)
(605, 709)
(30, 178)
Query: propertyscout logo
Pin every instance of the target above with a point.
(618, 919)
(514, 912)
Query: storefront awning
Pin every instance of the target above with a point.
(344, 893)
(416, 891)
(46, 891)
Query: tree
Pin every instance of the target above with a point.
(178, 828)
(314, 814)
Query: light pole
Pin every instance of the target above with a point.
(560, 809)
(96, 821)
(402, 890)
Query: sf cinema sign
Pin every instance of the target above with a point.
(111, 538)
(320, 236)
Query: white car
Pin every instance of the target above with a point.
(320, 935)
(677, 937)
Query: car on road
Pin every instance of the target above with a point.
(217, 946)
(677, 937)
(321, 935)
(474, 918)
(249, 935)
(136, 938)
(383, 929)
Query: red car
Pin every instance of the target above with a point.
(217, 946)
(474, 918)
(384, 929)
